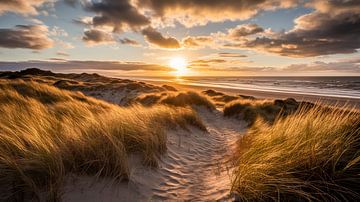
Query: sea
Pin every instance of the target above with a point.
(342, 87)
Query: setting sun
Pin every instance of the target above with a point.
(179, 64)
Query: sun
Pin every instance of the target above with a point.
(179, 64)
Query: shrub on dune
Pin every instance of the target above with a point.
(180, 99)
(47, 133)
(312, 155)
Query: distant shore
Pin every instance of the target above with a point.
(353, 102)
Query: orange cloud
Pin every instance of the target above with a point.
(26, 7)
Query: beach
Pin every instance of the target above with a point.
(329, 99)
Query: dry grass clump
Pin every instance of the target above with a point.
(47, 133)
(250, 110)
(180, 99)
(312, 155)
(221, 99)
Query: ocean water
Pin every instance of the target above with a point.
(344, 87)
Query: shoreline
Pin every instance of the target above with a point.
(329, 100)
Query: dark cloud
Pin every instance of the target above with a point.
(95, 36)
(155, 37)
(128, 41)
(245, 30)
(117, 14)
(232, 55)
(21, 6)
(26, 36)
(63, 65)
(72, 3)
(332, 29)
(121, 15)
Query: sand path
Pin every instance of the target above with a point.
(196, 167)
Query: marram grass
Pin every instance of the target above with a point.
(47, 133)
(312, 155)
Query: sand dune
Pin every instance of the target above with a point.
(197, 167)
(200, 134)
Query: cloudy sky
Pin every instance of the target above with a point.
(215, 37)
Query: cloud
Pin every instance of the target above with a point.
(154, 37)
(87, 21)
(208, 61)
(197, 41)
(25, 7)
(96, 37)
(232, 55)
(136, 15)
(200, 12)
(318, 66)
(72, 3)
(61, 53)
(244, 30)
(57, 31)
(334, 28)
(118, 15)
(26, 36)
(128, 41)
(345, 66)
(196, 64)
(62, 65)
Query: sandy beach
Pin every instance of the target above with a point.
(353, 102)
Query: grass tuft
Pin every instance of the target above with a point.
(179, 99)
(312, 155)
(269, 111)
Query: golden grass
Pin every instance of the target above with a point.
(180, 99)
(251, 110)
(220, 99)
(312, 155)
(47, 133)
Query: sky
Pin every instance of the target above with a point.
(209, 37)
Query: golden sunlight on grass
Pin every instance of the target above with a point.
(312, 155)
(180, 65)
(47, 133)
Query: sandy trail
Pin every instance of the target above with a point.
(196, 167)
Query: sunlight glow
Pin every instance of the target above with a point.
(180, 65)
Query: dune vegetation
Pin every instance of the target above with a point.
(269, 111)
(220, 99)
(311, 155)
(179, 99)
(47, 133)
